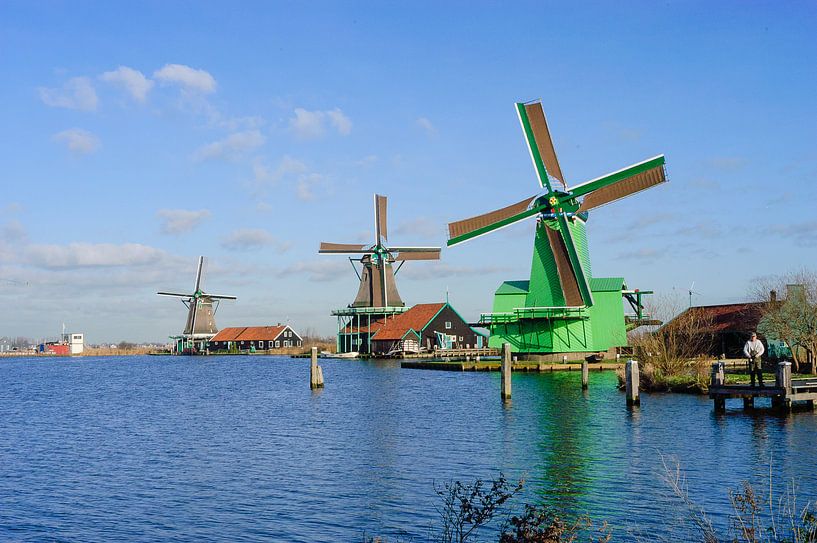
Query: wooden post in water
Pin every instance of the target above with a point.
(315, 371)
(631, 379)
(782, 379)
(717, 379)
(585, 374)
(506, 371)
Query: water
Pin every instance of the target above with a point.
(239, 449)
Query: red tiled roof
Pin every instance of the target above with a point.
(729, 317)
(249, 333)
(415, 319)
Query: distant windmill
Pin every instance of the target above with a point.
(201, 308)
(691, 292)
(377, 286)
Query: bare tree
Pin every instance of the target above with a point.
(793, 319)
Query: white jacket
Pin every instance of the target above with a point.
(753, 348)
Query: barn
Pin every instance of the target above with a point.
(426, 327)
(255, 338)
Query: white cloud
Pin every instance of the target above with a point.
(187, 77)
(263, 175)
(91, 255)
(306, 185)
(232, 146)
(422, 227)
(317, 270)
(13, 231)
(76, 93)
(314, 124)
(427, 125)
(179, 221)
(78, 141)
(251, 239)
(436, 269)
(341, 122)
(133, 81)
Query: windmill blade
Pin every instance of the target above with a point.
(343, 248)
(380, 208)
(540, 144)
(383, 286)
(412, 249)
(418, 255)
(221, 297)
(199, 273)
(176, 294)
(466, 229)
(194, 307)
(617, 185)
(575, 286)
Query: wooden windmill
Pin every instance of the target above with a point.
(377, 285)
(201, 311)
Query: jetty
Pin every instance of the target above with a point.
(784, 393)
(496, 365)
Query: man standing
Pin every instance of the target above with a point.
(754, 350)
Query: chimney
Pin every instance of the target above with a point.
(773, 296)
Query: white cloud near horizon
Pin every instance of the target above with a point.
(78, 141)
(309, 125)
(180, 221)
(186, 77)
(232, 146)
(91, 255)
(133, 81)
(76, 93)
(253, 239)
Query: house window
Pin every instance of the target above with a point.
(448, 325)
(277, 344)
(460, 338)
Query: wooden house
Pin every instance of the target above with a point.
(425, 327)
(255, 338)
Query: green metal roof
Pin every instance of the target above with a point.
(606, 284)
(513, 287)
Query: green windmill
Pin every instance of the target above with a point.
(562, 308)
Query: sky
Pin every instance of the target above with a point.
(138, 136)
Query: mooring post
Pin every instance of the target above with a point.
(717, 378)
(315, 371)
(506, 371)
(585, 374)
(631, 378)
(782, 379)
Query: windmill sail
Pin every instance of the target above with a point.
(617, 185)
(567, 275)
(540, 135)
(465, 229)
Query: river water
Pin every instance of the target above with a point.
(239, 449)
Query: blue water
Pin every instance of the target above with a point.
(240, 449)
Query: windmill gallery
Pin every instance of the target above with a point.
(561, 308)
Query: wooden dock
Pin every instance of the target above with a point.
(496, 365)
(784, 392)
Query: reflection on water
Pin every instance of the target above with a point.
(240, 449)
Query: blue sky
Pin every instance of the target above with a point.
(137, 137)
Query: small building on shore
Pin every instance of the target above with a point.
(255, 338)
(425, 327)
